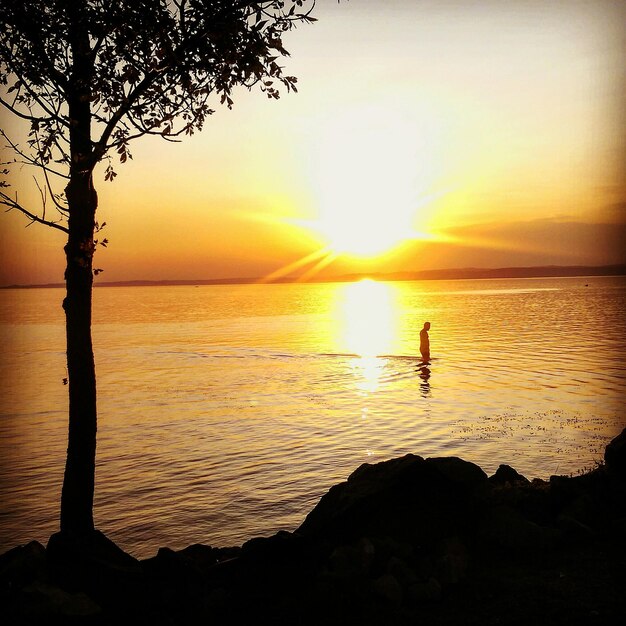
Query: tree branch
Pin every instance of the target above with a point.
(29, 118)
(12, 204)
(100, 146)
(28, 160)
(57, 204)
(149, 78)
(36, 97)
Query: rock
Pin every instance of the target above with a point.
(425, 566)
(172, 566)
(349, 561)
(388, 588)
(43, 601)
(92, 563)
(574, 529)
(506, 528)
(588, 508)
(386, 547)
(282, 557)
(615, 455)
(453, 562)
(202, 556)
(424, 592)
(567, 490)
(404, 574)
(463, 474)
(505, 474)
(93, 547)
(534, 501)
(410, 499)
(23, 565)
(279, 546)
(368, 552)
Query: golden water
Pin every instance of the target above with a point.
(225, 412)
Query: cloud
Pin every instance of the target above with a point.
(548, 241)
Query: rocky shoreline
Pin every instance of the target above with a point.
(405, 541)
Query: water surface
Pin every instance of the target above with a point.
(226, 411)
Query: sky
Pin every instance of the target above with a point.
(424, 135)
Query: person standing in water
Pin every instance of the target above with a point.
(425, 342)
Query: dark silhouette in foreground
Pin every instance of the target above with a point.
(405, 541)
(425, 343)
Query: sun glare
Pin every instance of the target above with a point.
(367, 328)
(367, 315)
(363, 231)
(371, 172)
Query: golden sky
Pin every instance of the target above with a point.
(425, 134)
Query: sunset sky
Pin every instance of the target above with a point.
(425, 134)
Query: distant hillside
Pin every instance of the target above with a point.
(442, 274)
(506, 272)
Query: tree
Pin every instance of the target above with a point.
(90, 76)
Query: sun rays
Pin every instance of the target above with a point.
(316, 261)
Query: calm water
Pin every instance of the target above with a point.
(227, 411)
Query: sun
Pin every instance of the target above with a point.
(370, 175)
(363, 231)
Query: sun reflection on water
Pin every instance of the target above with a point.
(366, 328)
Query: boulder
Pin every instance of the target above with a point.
(205, 557)
(463, 474)
(42, 603)
(402, 572)
(29, 596)
(92, 563)
(350, 561)
(424, 592)
(506, 528)
(615, 455)
(505, 474)
(410, 499)
(171, 566)
(388, 588)
(23, 565)
(278, 547)
(453, 561)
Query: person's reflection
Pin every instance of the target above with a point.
(424, 374)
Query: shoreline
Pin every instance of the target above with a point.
(404, 541)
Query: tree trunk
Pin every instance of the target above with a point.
(82, 201)
(78, 482)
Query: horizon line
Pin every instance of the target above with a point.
(466, 273)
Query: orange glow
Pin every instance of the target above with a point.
(420, 138)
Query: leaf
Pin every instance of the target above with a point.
(109, 173)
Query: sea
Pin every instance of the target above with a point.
(227, 411)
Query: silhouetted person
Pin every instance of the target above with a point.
(425, 342)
